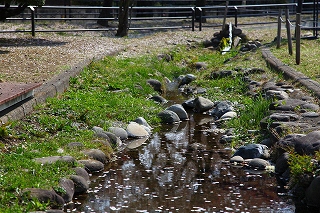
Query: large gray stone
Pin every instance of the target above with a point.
(143, 122)
(293, 104)
(159, 99)
(280, 95)
(92, 165)
(45, 196)
(221, 108)
(258, 163)
(202, 104)
(179, 110)
(110, 139)
(68, 189)
(136, 130)
(229, 115)
(168, 116)
(302, 144)
(282, 163)
(119, 132)
(187, 79)
(83, 173)
(156, 85)
(286, 117)
(80, 184)
(251, 151)
(96, 154)
(313, 193)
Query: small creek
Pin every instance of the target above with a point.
(165, 175)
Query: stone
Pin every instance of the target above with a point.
(143, 122)
(80, 184)
(68, 189)
(288, 104)
(201, 65)
(97, 129)
(165, 57)
(226, 139)
(258, 163)
(179, 110)
(45, 196)
(168, 116)
(252, 151)
(237, 160)
(188, 103)
(119, 132)
(229, 115)
(310, 114)
(308, 144)
(54, 159)
(202, 104)
(159, 99)
(83, 173)
(285, 117)
(310, 106)
(92, 165)
(112, 138)
(96, 154)
(275, 94)
(282, 163)
(156, 85)
(313, 193)
(136, 130)
(221, 108)
(302, 144)
(270, 85)
(187, 79)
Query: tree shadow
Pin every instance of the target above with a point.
(28, 42)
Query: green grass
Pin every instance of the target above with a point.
(309, 57)
(111, 91)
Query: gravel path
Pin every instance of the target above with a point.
(36, 59)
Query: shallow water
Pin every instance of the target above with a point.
(165, 175)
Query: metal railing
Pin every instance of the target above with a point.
(158, 15)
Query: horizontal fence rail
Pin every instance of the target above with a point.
(158, 15)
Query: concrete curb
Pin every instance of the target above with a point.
(289, 72)
(57, 85)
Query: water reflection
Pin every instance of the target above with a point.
(166, 174)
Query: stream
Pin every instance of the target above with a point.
(166, 173)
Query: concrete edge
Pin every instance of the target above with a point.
(291, 73)
(57, 85)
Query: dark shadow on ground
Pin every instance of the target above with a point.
(28, 42)
(4, 51)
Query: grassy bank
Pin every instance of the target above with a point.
(113, 92)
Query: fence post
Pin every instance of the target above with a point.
(298, 37)
(288, 32)
(200, 18)
(33, 28)
(236, 16)
(279, 29)
(193, 17)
